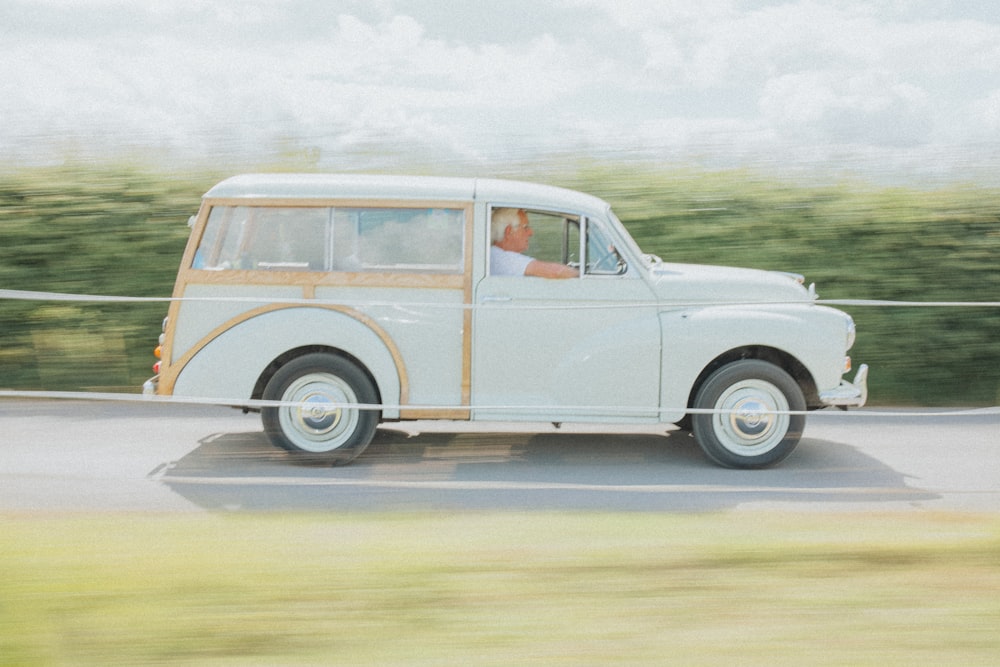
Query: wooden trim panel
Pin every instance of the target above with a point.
(169, 373)
(310, 281)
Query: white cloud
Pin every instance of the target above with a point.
(851, 108)
(985, 115)
(669, 78)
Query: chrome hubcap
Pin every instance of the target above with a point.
(318, 415)
(317, 421)
(749, 421)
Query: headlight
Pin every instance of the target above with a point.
(852, 332)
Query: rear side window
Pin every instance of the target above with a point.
(266, 238)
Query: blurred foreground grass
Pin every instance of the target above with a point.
(492, 589)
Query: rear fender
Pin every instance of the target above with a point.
(228, 363)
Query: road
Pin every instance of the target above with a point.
(59, 456)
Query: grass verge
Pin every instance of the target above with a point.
(495, 588)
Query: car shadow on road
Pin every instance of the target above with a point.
(524, 471)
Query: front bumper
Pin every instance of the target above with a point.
(848, 394)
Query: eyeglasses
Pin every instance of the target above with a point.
(525, 223)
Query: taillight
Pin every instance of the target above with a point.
(158, 350)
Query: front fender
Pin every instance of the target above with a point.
(692, 339)
(227, 365)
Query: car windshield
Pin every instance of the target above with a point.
(630, 246)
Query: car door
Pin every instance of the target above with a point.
(579, 349)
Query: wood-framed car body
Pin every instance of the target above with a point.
(630, 339)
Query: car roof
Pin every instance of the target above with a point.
(383, 187)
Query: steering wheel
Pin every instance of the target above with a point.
(606, 254)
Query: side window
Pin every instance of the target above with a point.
(221, 241)
(548, 237)
(288, 239)
(305, 238)
(556, 237)
(264, 238)
(378, 239)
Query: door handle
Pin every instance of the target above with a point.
(496, 298)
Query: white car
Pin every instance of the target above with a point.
(334, 302)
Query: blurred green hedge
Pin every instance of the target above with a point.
(121, 231)
(81, 230)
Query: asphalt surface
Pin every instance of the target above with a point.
(66, 456)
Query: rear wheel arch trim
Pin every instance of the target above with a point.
(395, 357)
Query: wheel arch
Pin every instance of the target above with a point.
(290, 355)
(779, 358)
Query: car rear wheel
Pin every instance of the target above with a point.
(750, 426)
(316, 420)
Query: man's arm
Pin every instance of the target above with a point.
(542, 269)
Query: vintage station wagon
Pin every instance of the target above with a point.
(331, 303)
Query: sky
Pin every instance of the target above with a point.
(899, 87)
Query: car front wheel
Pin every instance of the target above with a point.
(749, 425)
(318, 419)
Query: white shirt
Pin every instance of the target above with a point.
(507, 263)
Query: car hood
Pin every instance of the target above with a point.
(697, 283)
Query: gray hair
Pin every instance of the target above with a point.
(503, 218)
